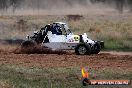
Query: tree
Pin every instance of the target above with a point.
(130, 4)
(4, 4)
(120, 5)
(14, 4)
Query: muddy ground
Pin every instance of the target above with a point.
(104, 60)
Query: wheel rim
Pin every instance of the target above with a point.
(96, 47)
(82, 50)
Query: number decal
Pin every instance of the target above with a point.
(70, 40)
(76, 38)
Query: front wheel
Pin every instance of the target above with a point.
(83, 49)
(96, 48)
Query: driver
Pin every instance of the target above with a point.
(56, 30)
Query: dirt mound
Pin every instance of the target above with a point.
(74, 17)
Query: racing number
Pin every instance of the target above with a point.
(76, 38)
(70, 40)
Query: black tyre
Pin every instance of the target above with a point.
(83, 49)
(27, 44)
(96, 48)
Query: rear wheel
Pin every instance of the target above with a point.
(28, 45)
(83, 49)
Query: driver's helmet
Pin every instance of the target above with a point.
(56, 29)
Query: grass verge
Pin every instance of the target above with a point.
(12, 76)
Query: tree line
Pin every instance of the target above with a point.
(5, 4)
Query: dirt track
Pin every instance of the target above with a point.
(101, 61)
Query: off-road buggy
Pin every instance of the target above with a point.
(58, 36)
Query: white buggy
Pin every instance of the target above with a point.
(57, 36)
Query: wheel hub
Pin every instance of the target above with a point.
(82, 50)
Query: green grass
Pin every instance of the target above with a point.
(33, 77)
(117, 46)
